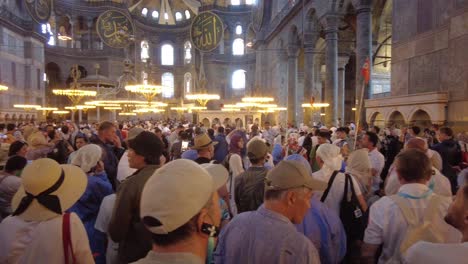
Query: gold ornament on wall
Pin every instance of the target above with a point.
(207, 31)
(115, 29)
(39, 10)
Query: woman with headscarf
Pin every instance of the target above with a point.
(88, 158)
(322, 226)
(359, 166)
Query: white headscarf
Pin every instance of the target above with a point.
(87, 157)
(330, 155)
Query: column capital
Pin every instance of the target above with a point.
(342, 61)
(362, 6)
(330, 22)
(292, 51)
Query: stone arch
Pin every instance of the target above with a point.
(28, 117)
(227, 121)
(239, 123)
(216, 121)
(257, 121)
(33, 117)
(311, 20)
(7, 117)
(396, 118)
(14, 117)
(420, 118)
(293, 36)
(53, 73)
(377, 119)
(21, 117)
(206, 122)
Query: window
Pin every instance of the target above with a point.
(238, 29)
(155, 14)
(167, 54)
(188, 82)
(44, 77)
(167, 80)
(238, 47)
(249, 2)
(238, 80)
(144, 55)
(235, 2)
(178, 16)
(187, 14)
(166, 16)
(45, 29)
(144, 12)
(187, 52)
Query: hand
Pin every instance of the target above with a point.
(116, 141)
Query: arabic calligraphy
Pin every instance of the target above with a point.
(39, 9)
(206, 31)
(115, 29)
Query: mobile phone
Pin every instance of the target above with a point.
(184, 146)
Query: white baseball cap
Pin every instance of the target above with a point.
(177, 192)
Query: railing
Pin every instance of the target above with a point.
(106, 52)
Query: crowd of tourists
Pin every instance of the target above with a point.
(175, 192)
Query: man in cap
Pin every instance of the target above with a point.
(268, 235)
(205, 148)
(125, 226)
(123, 169)
(250, 185)
(183, 218)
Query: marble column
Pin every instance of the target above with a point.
(90, 33)
(330, 23)
(293, 52)
(280, 85)
(363, 46)
(342, 61)
(309, 73)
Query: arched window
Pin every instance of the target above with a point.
(187, 52)
(238, 47)
(167, 55)
(187, 14)
(166, 16)
(238, 29)
(235, 2)
(178, 16)
(238, 80)
(188, 83)
(249, 2)
(144, 12)
(155, 14)
(167, 80)
(144, 51)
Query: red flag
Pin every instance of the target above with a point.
(365, 71)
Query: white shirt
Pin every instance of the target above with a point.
(123, 169)
(335, 196)
(102, 224)
(388, 226)
(433, 253)
(235, 168)
(441, 185)
(377, 162)
(41, 242)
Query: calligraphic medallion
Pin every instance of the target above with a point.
(207, 31)
(39, 10)
(115, 29)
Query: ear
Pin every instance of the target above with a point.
(291, 197)
(202, 218)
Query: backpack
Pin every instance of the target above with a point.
(419, 231)
(351, 214)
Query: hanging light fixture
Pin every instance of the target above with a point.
(3, 88)
(62, 35)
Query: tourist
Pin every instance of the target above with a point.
(10, 137)
(221, 149)
(342, 141)
(204, 146)
(33, 234)
(369, 141)
(183, 218)
(437, 183)
(38, 146)
(144, 152)
(102, 224)
(123, 168)
(10, 183)
(455, 253)
(108, 140)
(80, 141)
(249, 185)
(268, 235)
(18, 148)
(61, 148)
(321, 225)
(269, 133)
(388, 226)
(88, 158)
(233, 163)
(450, 152)
(360, 167)
(179, 146)
(323, 137)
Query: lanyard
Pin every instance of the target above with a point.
(409, 196)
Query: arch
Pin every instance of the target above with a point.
(206, 122)
(14, 117)
(187, 52)
(188, 83)
(227, 121)
(167, 80)
(421, 118)
(238, 47)
(20, 117)
(178, 16)
(377, 119)
(144, 11)
(155, 14)
(53, 73)
(144, 54)
(33, 117)
(235, 2)
(216, 121)
(239, 29)
(7, 117)
(167, 55)
(27, 117)
(257, 121)
(396, 119)
(239, 123)
(293, 36)
(311, 20)
(238, 80)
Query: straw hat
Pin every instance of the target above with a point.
(66, 184)
(37, 140)
(203, 141)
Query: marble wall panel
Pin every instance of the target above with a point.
(424, 73)
(400, 71)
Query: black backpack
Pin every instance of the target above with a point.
(351, 213)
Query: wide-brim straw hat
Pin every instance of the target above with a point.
(203, 141)
(39, 176)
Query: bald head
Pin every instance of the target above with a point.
(417, 143)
